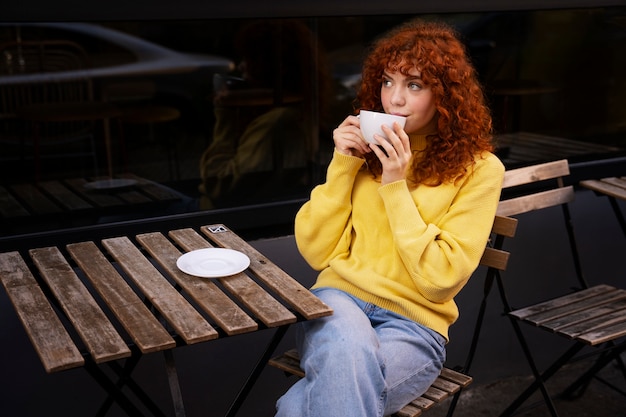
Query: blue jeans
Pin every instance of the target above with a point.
(362, 361)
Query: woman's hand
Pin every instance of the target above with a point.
(394, 153)
(348, 138)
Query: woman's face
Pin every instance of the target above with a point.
(406, 95)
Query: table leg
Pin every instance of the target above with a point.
(172, 378)
(114, 389)
(256, 371)
(618, 213)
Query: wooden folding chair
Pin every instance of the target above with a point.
(590, 316)
(450, 381)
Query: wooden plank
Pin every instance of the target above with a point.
(100, 337)
(613, 187)
(36, 201)
(522, 313)
(535, 173)
(142, 326)
(265, 307)
(604, 334)
(535, 201)
(51, 341)
(435, 394)
(585, 316)
(226, 313)
(445, 385)
(409, 411)
(9, 206)
(585, 304)
(593, 331)
(495, 258)
(64, 196)
(187, 322)
(505, 226)
(299, 298)
(456, 377)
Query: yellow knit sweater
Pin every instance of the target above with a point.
(409, 251)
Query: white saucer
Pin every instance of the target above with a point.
(213, 262)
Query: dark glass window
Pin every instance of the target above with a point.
(110, 121)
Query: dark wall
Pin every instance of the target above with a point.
(67, 10)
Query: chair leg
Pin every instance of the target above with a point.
(578, 387)
(540, 379)
(618, 214)
(474, 343)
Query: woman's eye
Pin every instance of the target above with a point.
(386, 83)
(415, 86)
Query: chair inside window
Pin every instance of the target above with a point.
(43, 94)
(450, 381)
(589, 316)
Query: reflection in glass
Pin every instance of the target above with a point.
(265, 136)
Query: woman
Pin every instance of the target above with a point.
(396, 230)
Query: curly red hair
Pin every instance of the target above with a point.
(464, 124)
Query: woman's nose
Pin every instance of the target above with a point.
(397, 97)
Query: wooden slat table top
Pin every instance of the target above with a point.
(189, 324)
(43, 327)
(241, 286)
(593, 316)
(611, 186)
(275, 278)
(127, 291)
(100, 336)
(144, 328)
(228, 315)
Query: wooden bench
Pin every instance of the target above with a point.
(450, 381)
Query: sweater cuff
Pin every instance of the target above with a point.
(345, 163)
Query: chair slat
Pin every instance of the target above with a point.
(495, 258)
(536, 201)
(522, 313)
(614, 187)
(605, 334)
(535, 173)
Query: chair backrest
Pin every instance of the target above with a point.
(555, 194)
(537, 187)
(494, 256)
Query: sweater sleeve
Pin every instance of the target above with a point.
(323, 224)
(441, 255)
